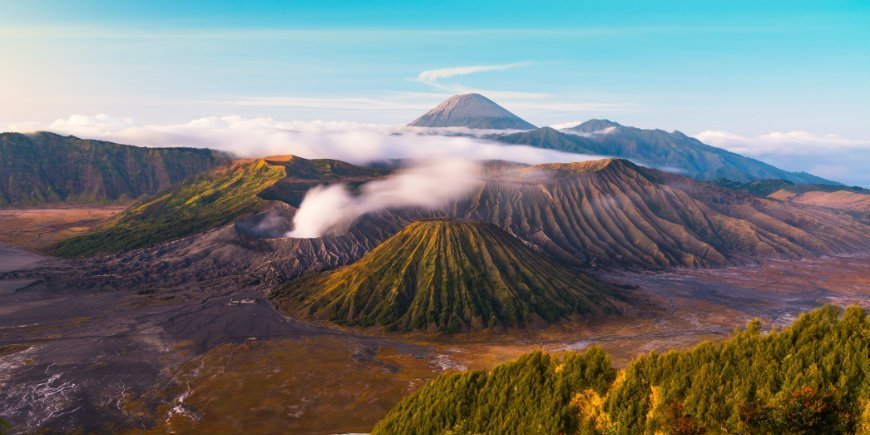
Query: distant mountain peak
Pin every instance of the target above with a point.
(594, 125)
(473, 111)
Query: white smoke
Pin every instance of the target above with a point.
(429, 184)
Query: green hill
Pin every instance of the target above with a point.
(210, 200)
(809, 378)
(43, 168)
(447, 276)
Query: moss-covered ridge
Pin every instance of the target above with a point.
(213, 199)
(210, 200)
(448, 276)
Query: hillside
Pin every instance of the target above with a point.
(213, 199)
(808, 378)
(672, 151)
(447, 276)
(45, 168)
(606, 214)
(472, 111)
(854, 198)
(612, 213)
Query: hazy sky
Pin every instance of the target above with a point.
(735, 71)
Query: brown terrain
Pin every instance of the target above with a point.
(37, 229)
(604, 215)
(173, 356)
(180, 337)
(841, 199)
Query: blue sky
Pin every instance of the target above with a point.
(736, 71)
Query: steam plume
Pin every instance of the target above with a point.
(430, 184)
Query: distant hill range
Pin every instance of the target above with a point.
(670, 151)
(472, 111)
(449, 276)
(44, 168)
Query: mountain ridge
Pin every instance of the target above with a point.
(673, 151)
(620, 216)
(47, 168)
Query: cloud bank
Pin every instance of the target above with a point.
(826, 155)
(446, 160)
(357, 143)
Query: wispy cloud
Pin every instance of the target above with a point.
(435, 77)
(432, 76)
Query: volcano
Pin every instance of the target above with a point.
(448, 275)
(472, 111)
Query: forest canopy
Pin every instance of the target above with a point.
(808, 378)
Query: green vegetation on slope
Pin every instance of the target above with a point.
(213, 199)
(210, 200)
(448, 276)
(531, 395)
(809, 378)
(766, 187)
(44, 168)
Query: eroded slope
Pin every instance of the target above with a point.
(448, 276)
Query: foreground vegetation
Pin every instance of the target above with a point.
(808, 378)
(210, 200)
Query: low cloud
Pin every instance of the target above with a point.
(91, 125)
(446, 161)
(827, 155)
(603, 131)
(353, 142)
(790, 142)
(564, 125)
(429, 184)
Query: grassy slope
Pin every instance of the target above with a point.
(809, 378)
(768, 186)
(212, 199)
(447, 275)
